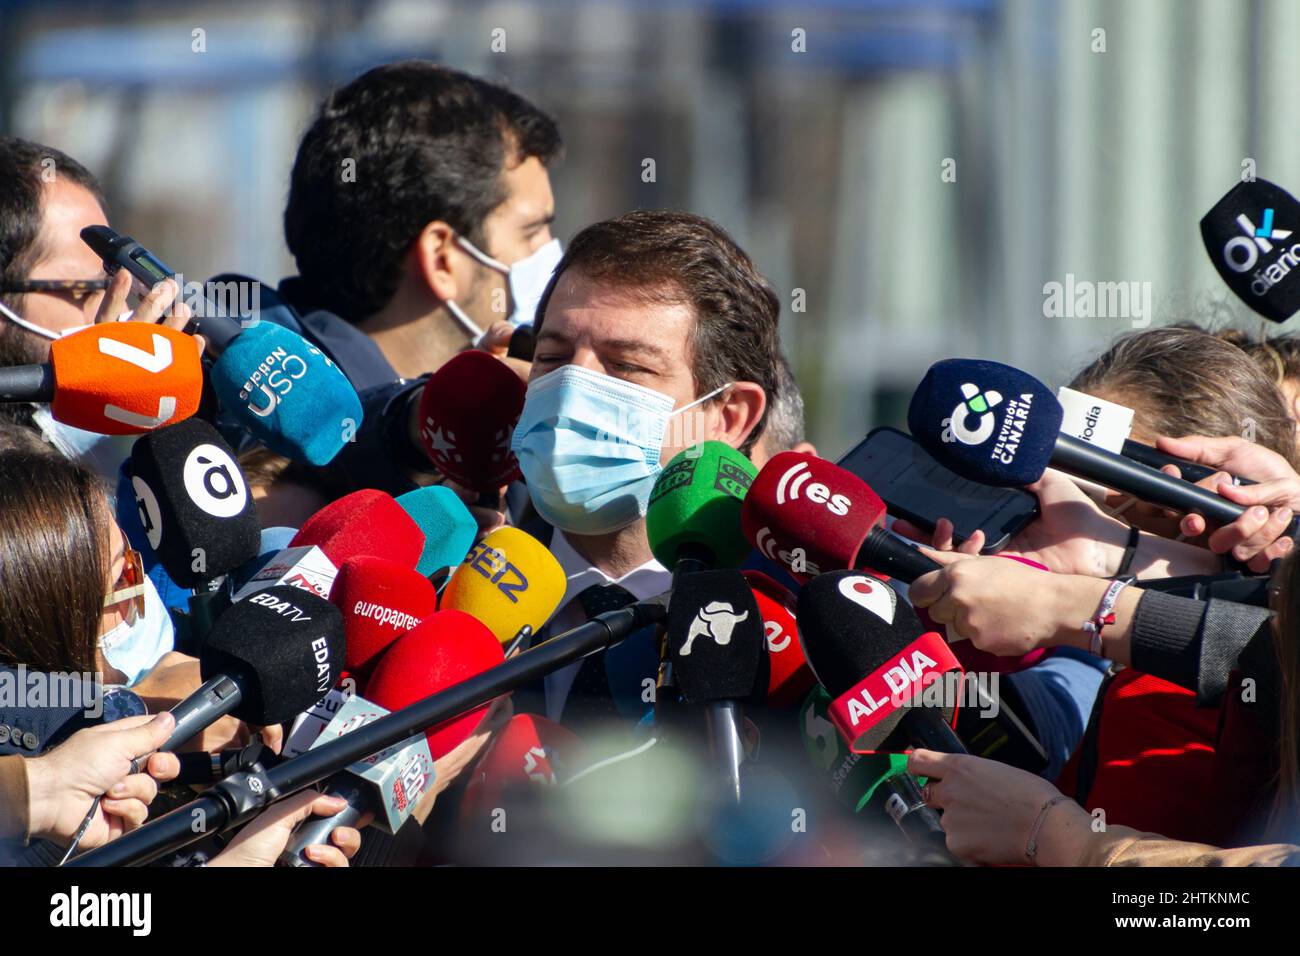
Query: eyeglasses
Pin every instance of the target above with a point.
(129, 586)
(77, 289)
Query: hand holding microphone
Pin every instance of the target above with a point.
(262, 841)
(1259, 536)
(999, 815)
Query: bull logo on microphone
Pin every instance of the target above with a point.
(977, 403)
(717, 619)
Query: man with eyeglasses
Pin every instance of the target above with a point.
(51, 283)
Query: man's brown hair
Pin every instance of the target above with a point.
(680, 258)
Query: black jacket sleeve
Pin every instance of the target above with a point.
(1194, 644)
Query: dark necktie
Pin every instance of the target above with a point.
(590, 698)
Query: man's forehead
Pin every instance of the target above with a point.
(614, 314)
(67, 208)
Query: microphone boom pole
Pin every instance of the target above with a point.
(239, 797)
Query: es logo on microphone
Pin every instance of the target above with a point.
(214, 481)
(876, 596)
(795, 559)
(977, 403)
(717, 619)
(797, 482)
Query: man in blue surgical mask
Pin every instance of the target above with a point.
(656, 333)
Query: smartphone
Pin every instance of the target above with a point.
(123, 252)
(916, 487)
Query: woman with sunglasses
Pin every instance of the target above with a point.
(73, 594)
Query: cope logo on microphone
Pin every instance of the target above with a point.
(214, 481)
(797, 482)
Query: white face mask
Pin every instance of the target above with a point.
(35, 329)
(526, 279)
(135, 648)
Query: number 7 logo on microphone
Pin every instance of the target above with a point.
(123, 378)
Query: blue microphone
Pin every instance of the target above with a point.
(286, 393)
(995, 424)
(448, 526)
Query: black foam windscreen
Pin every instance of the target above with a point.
(851, 625)
(194, 502)
(986, 421)
(715, 637)
(1251, 237)
(285, 649)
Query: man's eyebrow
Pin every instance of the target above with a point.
(550, 335)
(635, 347)
(543, 220)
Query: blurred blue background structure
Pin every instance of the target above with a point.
(909, 174)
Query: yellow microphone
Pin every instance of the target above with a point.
(509, 581)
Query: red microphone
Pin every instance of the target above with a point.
(528, 752)
(467, 412)
(116, 378)
(813, 516)
(446, 648)
(789, 677)
(381, 600)
(364, 522)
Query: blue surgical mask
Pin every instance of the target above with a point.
(588, 446)
(135, 648)
(526, 280)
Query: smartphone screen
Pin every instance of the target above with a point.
(916, 487)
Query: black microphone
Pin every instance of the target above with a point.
(716, 644)
(194, 502)
(266, 659)
(1187, 470)
(866, 647)
(1250, 236)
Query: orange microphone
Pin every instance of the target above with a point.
(116, 378)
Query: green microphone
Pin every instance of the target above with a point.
(693, 519)
(878, 780)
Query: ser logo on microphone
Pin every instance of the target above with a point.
(492, 564)
(796, 482)
(214, 481)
